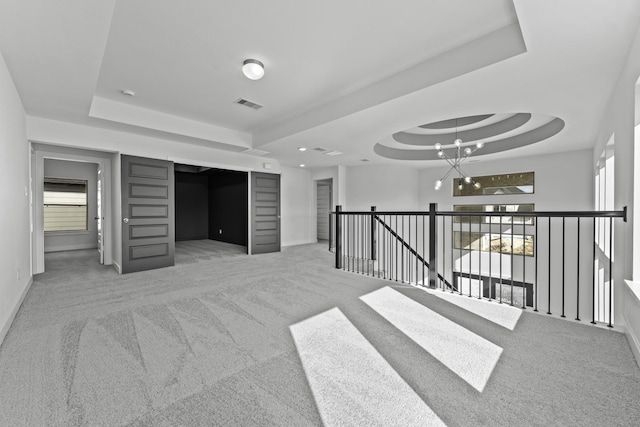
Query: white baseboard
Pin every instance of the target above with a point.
(117, 267)
(634, 342)
(298, 242)
(14, 312)
(74, 247)
(631, 316)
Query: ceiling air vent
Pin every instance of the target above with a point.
(247, 103)
(255, 152)
(320, 149)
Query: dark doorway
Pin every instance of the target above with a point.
(211, 204)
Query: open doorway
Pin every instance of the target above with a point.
(323, 207)
(71, 191)
(211, 207)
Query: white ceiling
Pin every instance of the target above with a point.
(341, 75)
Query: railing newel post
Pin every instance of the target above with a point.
(338, 237)
(433, 239)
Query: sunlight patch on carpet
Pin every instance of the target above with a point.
(351, 382)
(468, 355)
(504, 315)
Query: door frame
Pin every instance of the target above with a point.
(37, 190)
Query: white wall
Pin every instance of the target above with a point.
(298, 224)
(563, 181)
(15, 258)
(387, 187)
(88, 137)
(65, 240)
(619, 120)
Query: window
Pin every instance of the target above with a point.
(503, 234)
(504, 243)
(65, 204)
(493, 219)
(511, 183)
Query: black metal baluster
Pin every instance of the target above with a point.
(377, 257)
(512, 275)
(444, 249)
(470, 253)
(549, 272)
(563, 279)
(396, 248)
(402, 241)
(338, 239)
(460, 258)
(348, 241)
(578, 275)
(409, 252)
(490, 257)
(535, 259)
(500, 294)
(424, 244)
(417, 265)
(385, 252)
(593, 265)
(524, 263)
(453, 238)
(610, 272)
(480, 277)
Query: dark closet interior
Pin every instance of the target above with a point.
(211, 204)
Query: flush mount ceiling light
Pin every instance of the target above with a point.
(302, 149)
(253, 69)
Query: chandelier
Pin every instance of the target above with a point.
(460, 155)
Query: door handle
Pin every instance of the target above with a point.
(125, 220)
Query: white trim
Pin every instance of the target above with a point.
(632, 326)
(196, 162)
(634, 342)
(104, 164)
(72, 247)
(300, 242)
(14, 312)
(117, 267)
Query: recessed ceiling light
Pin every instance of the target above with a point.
(128, 92)
(302, 165)
(253, 69)
(302, 148)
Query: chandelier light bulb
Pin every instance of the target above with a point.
(440, 153)
(438, 184)
(460, 186)
(467, 179)
(438, 146)
(476, 185)
(253, 69)
(467, 151)
(457, 142)
(480, 144)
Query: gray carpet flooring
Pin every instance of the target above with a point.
(284, 339)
